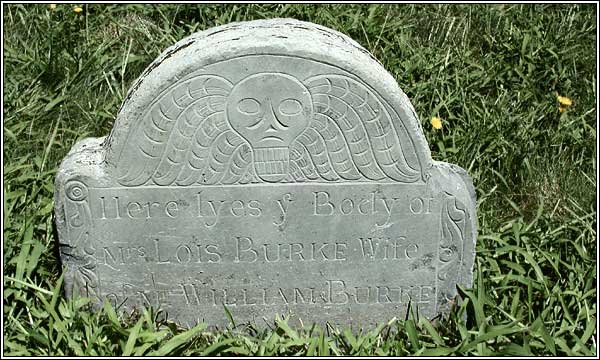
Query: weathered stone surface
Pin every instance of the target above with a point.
(273, 167)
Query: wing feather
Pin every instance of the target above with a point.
(238, 165)
(336, 146)
(198, 154)
(296, 173)
(354, 132)
(221, 151)
(317, 151)
(366, 126)
(299, 155)
(158, 147)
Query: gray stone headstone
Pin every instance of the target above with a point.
(272, 167)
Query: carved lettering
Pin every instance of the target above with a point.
(237, 208)
(172, 209)
(165, 251)
(214, 210)
(183, 254)
(113, 256)
(426, 294)
(297, 249)
(330, 292)
(244, 251)
(283, 207)
(187, 294)
(340, 251)
(348, 205)
(373, 204)
(246, 300)
(365, 292)
(386, 248)
(254, 208)
(131, 210)
(337, 293)
(301, 298)
(108, 254)
(214, 255)
(322, 204)
(104, 211)
(112, 210)
(419, 205)
(158, 253)
(411, 251)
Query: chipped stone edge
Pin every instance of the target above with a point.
(83, 162)
(455, 180)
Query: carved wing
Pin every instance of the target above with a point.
(184, 139)
(351, 136)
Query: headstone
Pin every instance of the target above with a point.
(269, 167)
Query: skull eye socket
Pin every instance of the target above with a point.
(290, 107)
(248, 106)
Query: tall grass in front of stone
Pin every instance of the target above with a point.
(490, 74)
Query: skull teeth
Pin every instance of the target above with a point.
(271, 164)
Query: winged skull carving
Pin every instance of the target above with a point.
(268, 127)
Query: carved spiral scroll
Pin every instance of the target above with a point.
(76, 191)
(79, 248)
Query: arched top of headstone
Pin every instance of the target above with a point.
(275, 100)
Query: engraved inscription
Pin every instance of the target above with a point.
(211, 209)
(251, 248)
(329, 292)
(385, 248)
(161, 249)
(248, 251)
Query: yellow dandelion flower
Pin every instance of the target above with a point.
(562, 109)
(436, 122)
(563, 100)
(77, 9)
(52, 6)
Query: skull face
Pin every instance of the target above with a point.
(269, 109)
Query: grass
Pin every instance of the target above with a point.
(490, 72)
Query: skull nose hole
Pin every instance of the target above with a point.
(276, 121)
(271, 129)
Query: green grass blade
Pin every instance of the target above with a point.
(431, 330)
(538, 326)
(218, 346)
(133, 336)
(413, 336)
(178, 340)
